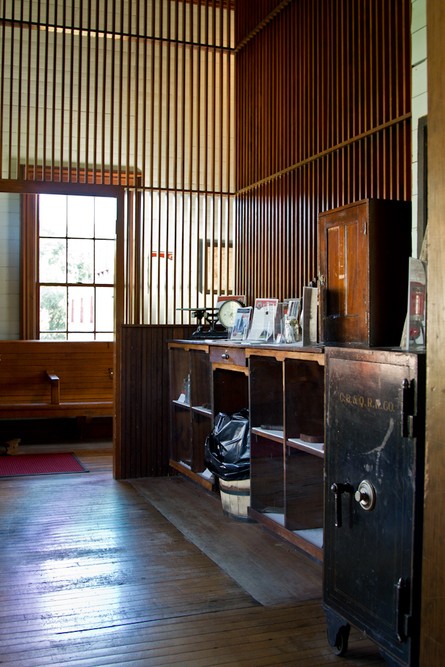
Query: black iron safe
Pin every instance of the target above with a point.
(373, 498)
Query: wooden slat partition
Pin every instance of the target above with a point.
(142, 90)
(323, 119)
(142, 428)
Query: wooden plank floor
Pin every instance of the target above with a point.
(92, 574)
(267, 567)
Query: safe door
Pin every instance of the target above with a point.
(373, 498)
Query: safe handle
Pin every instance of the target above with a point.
(338, 489)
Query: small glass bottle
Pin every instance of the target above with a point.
(187, 389)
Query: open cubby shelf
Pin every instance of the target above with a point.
(284, 392)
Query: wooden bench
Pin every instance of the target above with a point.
(43, 379)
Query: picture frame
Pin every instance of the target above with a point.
(212, 256)
(264, 321)
(242, 323)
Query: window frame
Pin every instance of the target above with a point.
(108, 185)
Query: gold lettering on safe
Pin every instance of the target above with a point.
(369, 402)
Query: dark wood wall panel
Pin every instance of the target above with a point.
(142, 428)
(323, 119)
(258, 11)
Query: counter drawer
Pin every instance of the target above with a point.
(232, 356)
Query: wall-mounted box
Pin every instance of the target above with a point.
(363, 253)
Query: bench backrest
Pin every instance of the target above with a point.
(84, 371)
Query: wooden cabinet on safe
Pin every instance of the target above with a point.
(363, 252)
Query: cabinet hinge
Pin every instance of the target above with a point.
(409, 421)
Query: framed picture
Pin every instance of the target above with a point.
(215, 267)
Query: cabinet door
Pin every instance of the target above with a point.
(373, 492)
(363, 268)
(344, 264)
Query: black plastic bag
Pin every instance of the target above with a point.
(227, 447)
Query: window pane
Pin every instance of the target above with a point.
(53, 336)
(106, 336)
(52, 261)
(80, 260)
(52, 309)
(81, 309)
(104, 308)
(105, 257)
(105, 217)
(52, 215)
(81, 217)
(81, 336)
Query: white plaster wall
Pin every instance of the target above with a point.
(9, 266)
(419, 92)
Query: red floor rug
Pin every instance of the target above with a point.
(39, 464)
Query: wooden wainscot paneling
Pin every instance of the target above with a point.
(141, 448)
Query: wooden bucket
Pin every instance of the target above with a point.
(235, 498)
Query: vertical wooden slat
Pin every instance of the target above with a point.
(11, 102)
(216, 154)
(45, 86)
(19, 91)
(128, 82)
(2, 80)
(167, 141)
(27, 131)
(70, 89)
(133, 67)
(61, 89)
(181, 181)
(159, 148)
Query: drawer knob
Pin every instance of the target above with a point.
(224, 355)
